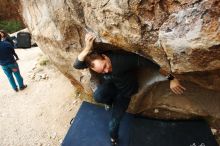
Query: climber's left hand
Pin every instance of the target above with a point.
(176, 87)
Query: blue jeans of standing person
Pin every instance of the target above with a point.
(107, 93)
(10, 70)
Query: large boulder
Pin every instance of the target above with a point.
(181, 36)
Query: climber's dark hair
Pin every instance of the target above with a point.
(91, 57)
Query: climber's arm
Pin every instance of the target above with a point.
(175, 85)
(79, 62)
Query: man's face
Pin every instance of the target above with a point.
(102, 65)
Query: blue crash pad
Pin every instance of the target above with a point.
(90, 128)
(152, 132)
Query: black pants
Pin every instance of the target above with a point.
(107, 93)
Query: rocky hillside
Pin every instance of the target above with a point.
(10, 10)
(181, 36)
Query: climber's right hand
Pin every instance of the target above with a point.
(89, 39)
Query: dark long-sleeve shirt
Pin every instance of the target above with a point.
(123, 73)
(9, 39)
(7, 53)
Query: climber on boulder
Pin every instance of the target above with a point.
(119, 80)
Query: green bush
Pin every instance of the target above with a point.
(10, 26)
(43, 60)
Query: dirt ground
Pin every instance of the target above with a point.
(40, 114)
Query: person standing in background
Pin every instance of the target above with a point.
(9, 64)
